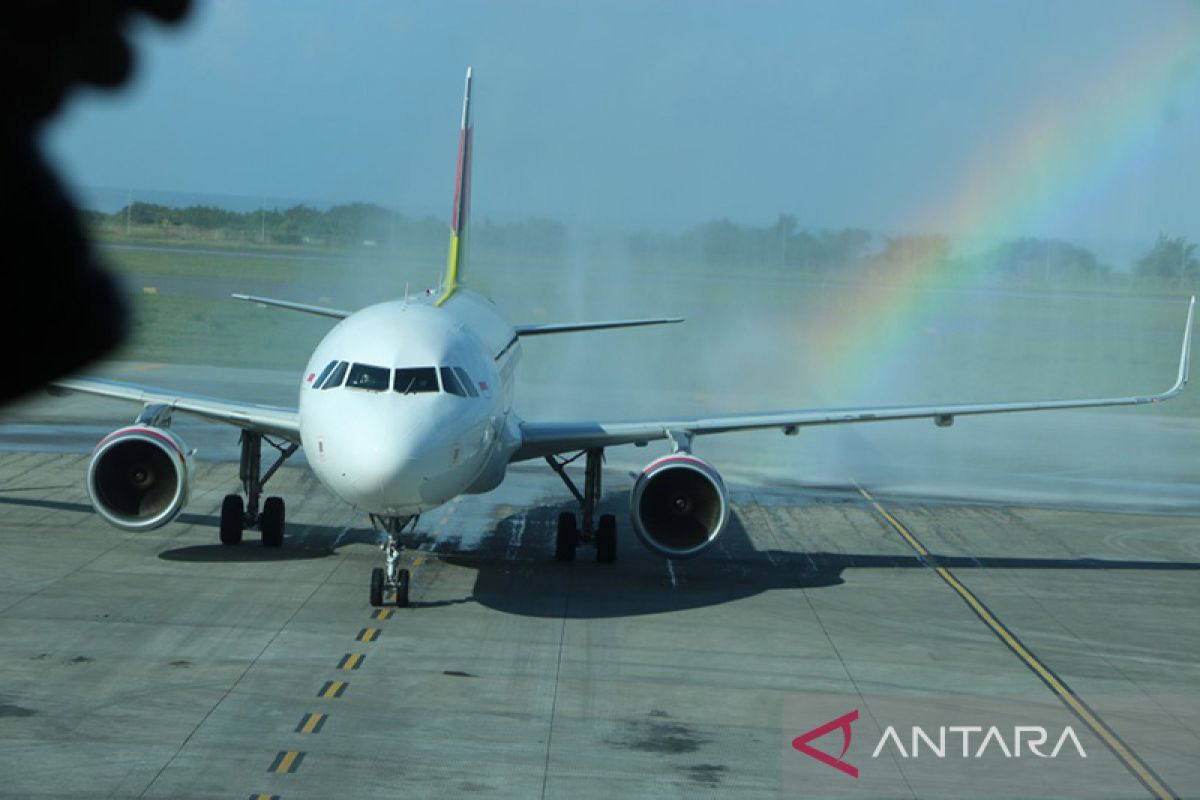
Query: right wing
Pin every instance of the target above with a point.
(571, 327)
(269, 420)
(540, 439)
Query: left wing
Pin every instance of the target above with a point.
(540, 439)
(268, 420)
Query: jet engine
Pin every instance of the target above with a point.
(139, 477)
(679, 505)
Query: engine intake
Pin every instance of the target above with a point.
(139, 477)
(679, 506)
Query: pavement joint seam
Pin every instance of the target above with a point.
(841, 660)
(562, 637)
(237, 682)
(1100, 656)
(1137, 767)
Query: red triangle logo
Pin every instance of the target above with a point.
(842, 723)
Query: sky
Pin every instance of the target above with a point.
(976, 120)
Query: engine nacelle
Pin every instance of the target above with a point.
(679, 505)
(140, 477)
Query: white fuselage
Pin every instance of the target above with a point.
(385, 438)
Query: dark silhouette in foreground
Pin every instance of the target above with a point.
(59, 306)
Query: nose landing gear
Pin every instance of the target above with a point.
(392, 578)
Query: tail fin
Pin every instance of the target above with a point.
(462, 203)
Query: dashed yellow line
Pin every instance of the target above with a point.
(351, 661)
(311, 723)
(287, 762)
(367, 635)
(1132, 761)
(383, 613)
(333, 689)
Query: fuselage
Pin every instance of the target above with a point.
(406, 405)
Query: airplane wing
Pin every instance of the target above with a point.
(320, 311)
(268, 420)
(540, 439)
(571, 327)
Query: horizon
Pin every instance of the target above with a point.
(926, 118)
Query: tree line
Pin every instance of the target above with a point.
(783, 245)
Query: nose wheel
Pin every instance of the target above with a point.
(392, 578)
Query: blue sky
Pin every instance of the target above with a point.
(644, 114)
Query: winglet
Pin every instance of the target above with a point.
(462, 202)
(1185, 355)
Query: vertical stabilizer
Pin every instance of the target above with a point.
(459, 217)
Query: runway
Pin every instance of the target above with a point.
(164, 665)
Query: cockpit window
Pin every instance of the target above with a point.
(335, 378)
(365, 376)
(324, 374)
(451, 384)
(416, 379)
(466, 381)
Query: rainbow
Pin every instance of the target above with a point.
(1057, 155)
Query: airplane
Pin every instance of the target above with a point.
(407, 404)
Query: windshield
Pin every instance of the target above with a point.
(410, 380)
(451, 384)
(365, 376)
(335, 378)
(466, 381)
(324, 374)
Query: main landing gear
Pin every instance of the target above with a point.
(570, 532)
(393, 578)
(236, 514)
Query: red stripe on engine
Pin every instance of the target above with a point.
(148, 432)
(668, 459)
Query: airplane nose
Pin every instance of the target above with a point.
(383, 472)
(383, 466)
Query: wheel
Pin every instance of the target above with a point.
(402, 590)
(377, 587)
(271, 522)
(568, 537)
(233, 519)
(606, 539)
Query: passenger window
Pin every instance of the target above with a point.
(450, 382)
(324, 374)
(365, 376)
(466, 381)
(410, 380)
(335, 378)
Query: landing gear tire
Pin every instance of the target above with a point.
(233, 519)
(606, 539)
(271, 523)
(377, 587)
(402, 589)
(567, 537)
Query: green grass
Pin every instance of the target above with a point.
(200, 330)
(786, 343)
